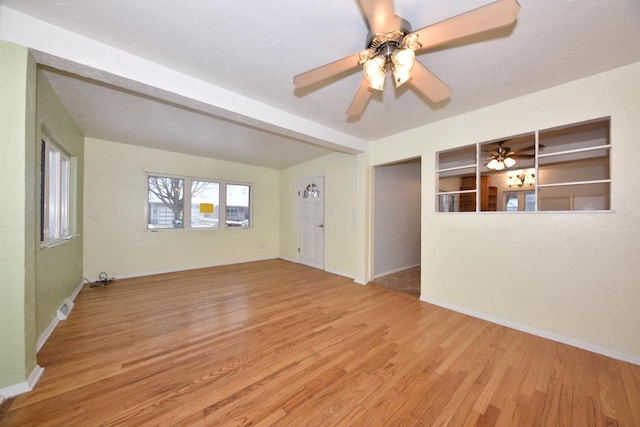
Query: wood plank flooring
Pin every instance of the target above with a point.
(277, 343)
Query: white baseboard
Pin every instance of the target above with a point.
(594, 348)
(42, 339)
(153, 273)
(23, 387)
(338, 273)
(395, 270)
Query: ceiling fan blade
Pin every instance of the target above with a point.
(494, 15)
(522, 150)
(360, 101)
(326, 71)
(425, 82)
(380, 15)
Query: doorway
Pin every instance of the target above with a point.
(311, 220)
(397, 226)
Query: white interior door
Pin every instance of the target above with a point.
(311, 212)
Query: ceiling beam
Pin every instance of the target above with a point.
(73, 53)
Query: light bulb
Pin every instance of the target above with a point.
(499, 166)
(400, 77)
(411, 41)
(492, 164)
(509, 161)
(403, 60)
(374, 72)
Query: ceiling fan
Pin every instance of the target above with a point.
(392, 45)
(502, 157)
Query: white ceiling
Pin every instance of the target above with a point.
(254, 48)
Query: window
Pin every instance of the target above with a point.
(560, 169)
(205, 196)
(166, 202)
(237, 205)
(520, 201)
(169, 197)
(55, 166)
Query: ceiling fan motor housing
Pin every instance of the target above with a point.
(386, 43)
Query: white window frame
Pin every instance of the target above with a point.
(56, 221)
(186, 207)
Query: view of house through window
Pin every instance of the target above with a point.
(166, 202)
(168, 197)
(55, 212)
(237, 205)
(560, 169)
(205, 204)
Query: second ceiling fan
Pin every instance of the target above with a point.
(392, 45)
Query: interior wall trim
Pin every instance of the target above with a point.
(176, 270)
(23, 387)
(594, 348)
(44, 336)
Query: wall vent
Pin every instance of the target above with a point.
(65, 308)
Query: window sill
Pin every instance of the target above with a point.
(55, 243)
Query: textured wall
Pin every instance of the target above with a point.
(116, 240)
(17, 224)
(339, 171)
(58, 269)
(576, 275)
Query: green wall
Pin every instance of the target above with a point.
(17, 223)
(58, 269)
(33, 281)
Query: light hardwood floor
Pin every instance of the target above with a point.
(277, 343)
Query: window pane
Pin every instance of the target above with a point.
(205, 204)
(511, 153)
(574, 137)
(56, 193)
(465, 156)
(52, 230)
(585, 169)
(530, 201)
(165, 202)
(65, 174)
(584, 197)
(511, 202)
(238, 209)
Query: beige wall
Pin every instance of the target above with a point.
(58, 269)
(339, 171)
(575, 275)
(116, 240)
(17, 222)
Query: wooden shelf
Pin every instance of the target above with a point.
(488, 194)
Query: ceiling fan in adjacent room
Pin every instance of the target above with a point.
(502, 157)
(392, 46)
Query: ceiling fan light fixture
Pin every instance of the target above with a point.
(375, 72)
(411, 41)
(492, 164)
(403, 60)
(509, 162)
